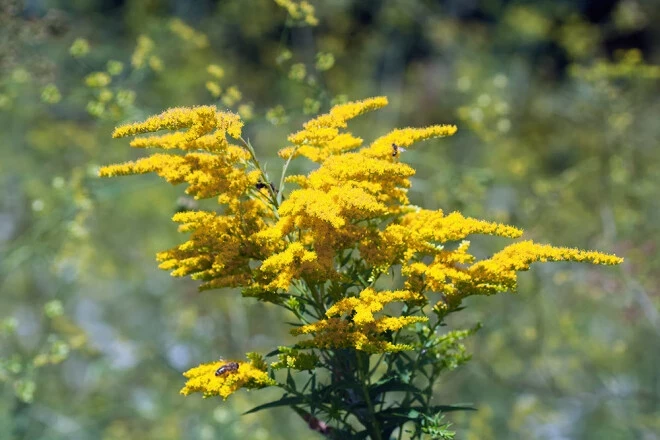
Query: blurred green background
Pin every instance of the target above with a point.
(557, 107)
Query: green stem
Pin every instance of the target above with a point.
(284, 168)
(364, 381)
(253, 157)
(416, 363)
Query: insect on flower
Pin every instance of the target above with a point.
(229, 367)
(396, 150)
(263, 185)
(184, 204)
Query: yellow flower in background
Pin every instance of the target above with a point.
(232, 96)
(214, 88)
(215, 71)
(302, 12)
(143, 49)
(188, 34)
(97, 79)
(79, 48)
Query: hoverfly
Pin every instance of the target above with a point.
(185, 203)
(264, 185)
(396, 150)
(229, 367)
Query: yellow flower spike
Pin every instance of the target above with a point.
(404, 138)
(230, 123)
(274, 234)
(370, 302)
(438, 277)
(289, 265)
(199, 121)
(215, 143)
(287, 153)
(172, 119)
(396, 323)
(444, 273)
(362, 331)
(434, 225)
(320, 136)
(385, 180)
(229, 243)
(333, 145)
(356, 203)
(387, 247)
(342, 113)
(312, 206)
(499, 273)
(236, 375)
(337, 333)
(207, 175)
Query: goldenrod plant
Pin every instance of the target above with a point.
(366, 358)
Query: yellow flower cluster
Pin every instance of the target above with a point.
(391, 143)
(360, 329)
(187, 33)
(362, 308)
(143, 52)
(228, 243)
(320, 137)
(294, 359)
(286, 266)
(302, 12)
(348, 221)
(423, 233)
(628, 64)
(498, 273)
(223, 378)
(219, 169)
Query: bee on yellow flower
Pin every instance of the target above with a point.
(229, 367)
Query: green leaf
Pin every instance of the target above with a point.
(414, 412)
(284, 401)
(450, 408)
(392, 385)
(289, 380)
(273, 353)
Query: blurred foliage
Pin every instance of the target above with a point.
(557, 134)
